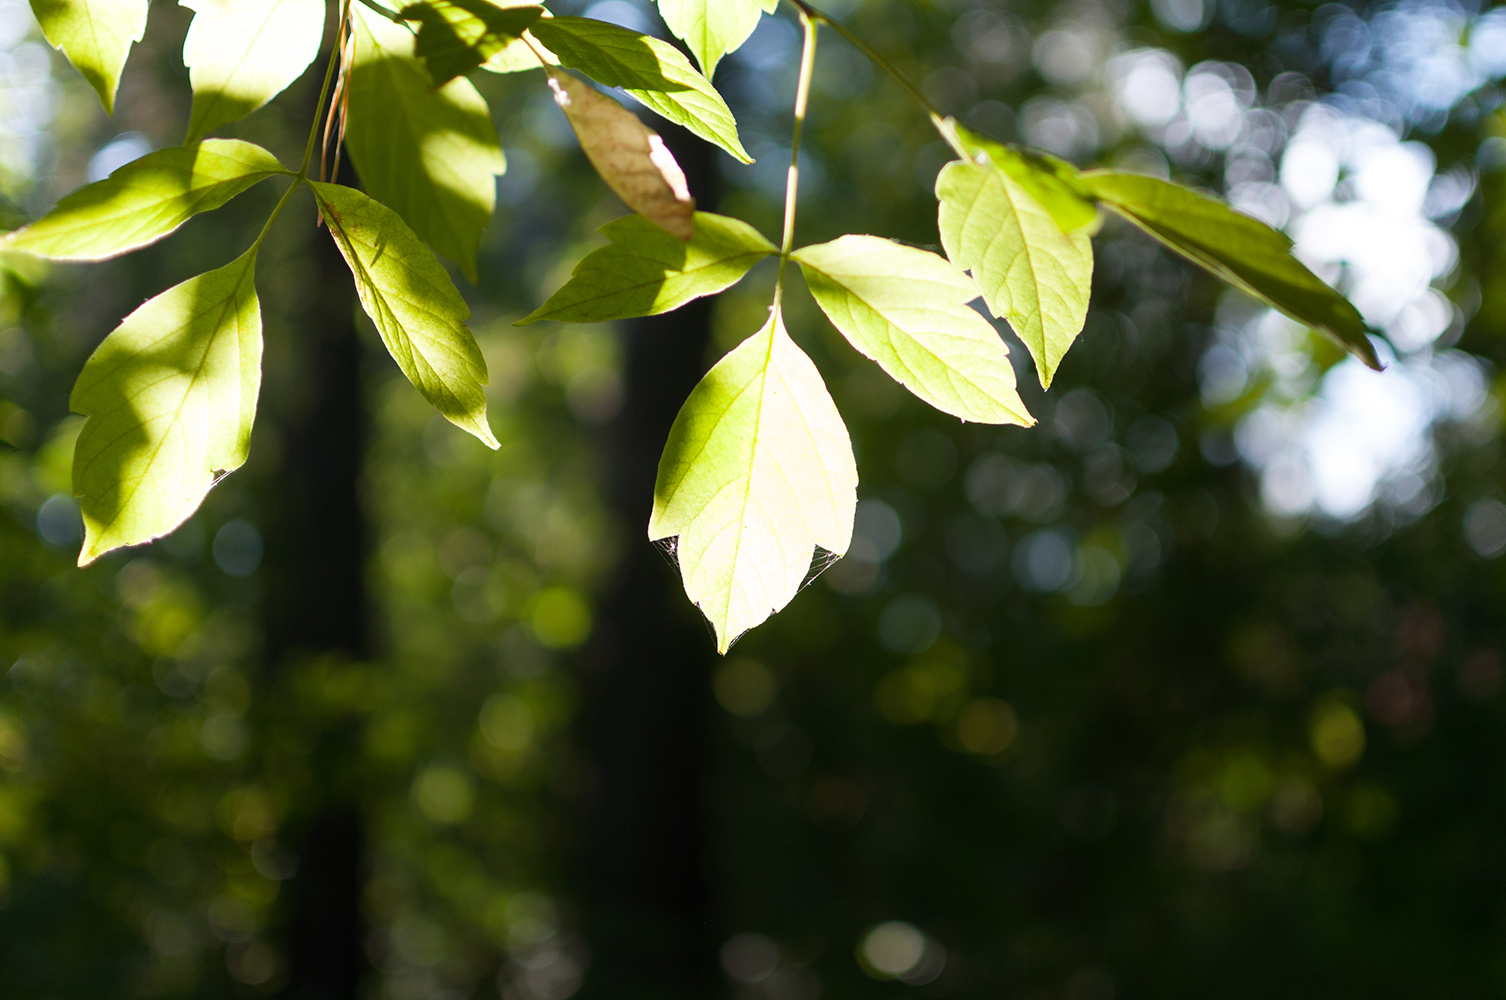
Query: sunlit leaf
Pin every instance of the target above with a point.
(651, 70)
(96, 36)
(457, 36)
(145, 200)
(524, 53)
(1243, 251)
(907, 309)
(1030, 272)
(431, 155)
(645, 271)
(242, 53)
(170, 396)
(414, 304)
(1055, 184)
(629, 156)
(714, 28)
(758, 471)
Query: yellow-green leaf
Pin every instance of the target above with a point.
(242, 53)
(646, 271)
(145, 200)
(652, 71)
(907, 309)
(1030, 272)
(417, 311)
(757, 473)
(96, 36)
(431, 155)
(714, 28)
(170, 396)
(1054, 183)
(1243, 251)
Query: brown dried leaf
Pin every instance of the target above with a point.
(629, 156)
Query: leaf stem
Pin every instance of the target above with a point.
(792, 182)
(329, 75)
(388, 14)
(937, 119)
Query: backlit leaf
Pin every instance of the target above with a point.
(457, 36)
(170, 396)
(645, 271)
(96, 36)
(416, 309)
(714, 28)
(1055, 184)
(242, 53)
(1030, 272)
(1243, 251)
(652, 71)
(629, 156)
(907, 309)
(431, 155)
(758, 471)
(145, 200)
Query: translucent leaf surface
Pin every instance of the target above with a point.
(457, 36)
(416, 309)
(651, 70)
(757, 472)
(242, 53)
(714, 28)
(907, 309)
(170, 396)
(629, 156)
(646, 271)
(1243, 251)
(1054, 184)
(145, 200)
(1030, 272)
(429, 154)
(96, 36)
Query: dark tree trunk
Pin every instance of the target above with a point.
(316, 607)
(649, 906)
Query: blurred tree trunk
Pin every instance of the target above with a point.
(649, 906)
(317, 608)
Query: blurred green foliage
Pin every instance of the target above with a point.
(1080, 717)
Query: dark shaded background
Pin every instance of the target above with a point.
(1079, 718)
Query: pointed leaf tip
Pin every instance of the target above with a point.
(170, 397)
(1030, 272)
(1243, 251)
(758, 471)
(413, 303)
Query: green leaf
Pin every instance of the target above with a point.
(646, 271)
(96, 36)
(431, 155)
(1055, 184)
(457, 36)
(414, 304)
(170, 396)
(652, 71)
(242, 53)
(1244, 252)
(629, 156)
(1030, 272)
(757, 472)
(907, 309)
(714, 28)
(145, 200)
